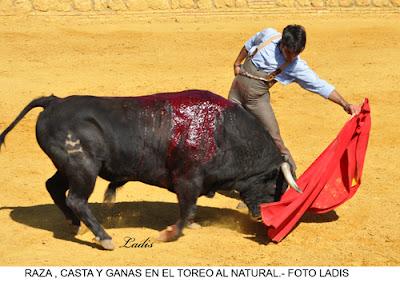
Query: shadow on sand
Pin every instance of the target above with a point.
(152, 215)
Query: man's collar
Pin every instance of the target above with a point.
(277, 40)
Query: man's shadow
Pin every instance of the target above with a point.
(152, 215)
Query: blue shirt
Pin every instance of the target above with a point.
(270, 58)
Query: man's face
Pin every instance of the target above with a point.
(288, 55)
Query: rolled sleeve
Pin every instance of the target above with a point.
(253, 41)
(310, 81)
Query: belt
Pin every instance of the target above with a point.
(269, 79)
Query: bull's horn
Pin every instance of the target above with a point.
(289, 177)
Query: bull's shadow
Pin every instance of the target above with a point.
(153, 215)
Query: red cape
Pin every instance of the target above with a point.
(332, 179)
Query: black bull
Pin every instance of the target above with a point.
(193, 143)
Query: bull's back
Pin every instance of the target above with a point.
(140, 138)
(119, 132)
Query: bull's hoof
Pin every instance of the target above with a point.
(256, 218)
(241, 205)
(194, 225)
(107, 244)
(169, 234)
(76, 229)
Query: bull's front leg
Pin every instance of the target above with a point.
(187, 193)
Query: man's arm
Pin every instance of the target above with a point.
(348, 108)
(255, 40)
(310, 81)
(236, 65)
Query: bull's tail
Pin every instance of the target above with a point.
(39, 102)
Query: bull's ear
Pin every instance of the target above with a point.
(281, 185)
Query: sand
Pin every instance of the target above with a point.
(124, 56)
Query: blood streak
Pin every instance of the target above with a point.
(194, 118)
(194, 115)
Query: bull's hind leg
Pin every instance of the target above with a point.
(187, 193)
(82, 177)
(57, 186)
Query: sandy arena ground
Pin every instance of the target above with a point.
(128, 57)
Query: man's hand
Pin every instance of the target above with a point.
(352, 109)
(348, 108)
(242, 55)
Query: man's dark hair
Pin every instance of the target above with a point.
(294, 38)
